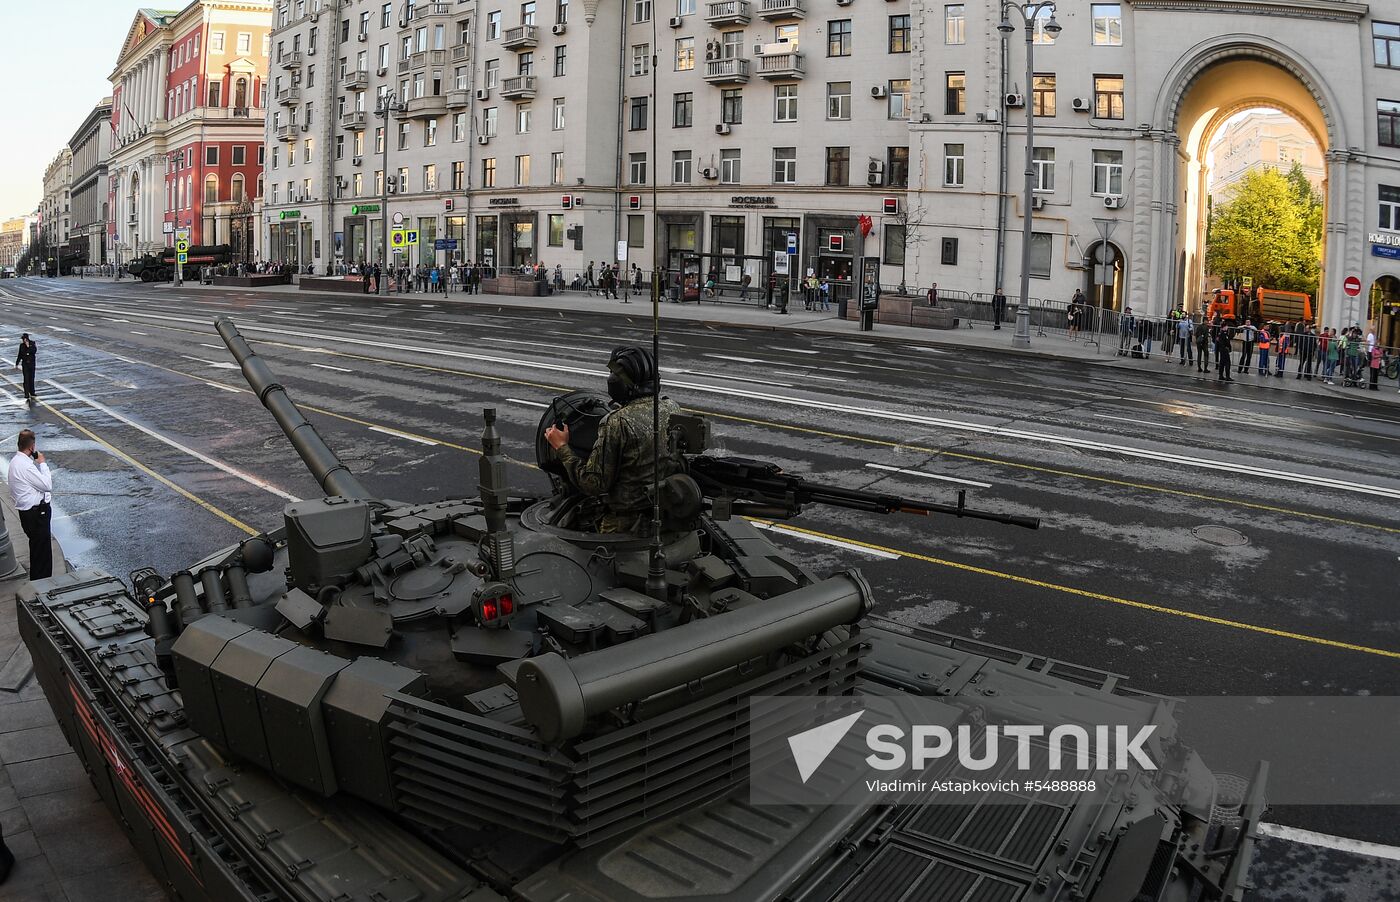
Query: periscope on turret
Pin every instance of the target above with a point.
(497, 697)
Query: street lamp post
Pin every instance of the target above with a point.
(1029, 12)
(388, 106)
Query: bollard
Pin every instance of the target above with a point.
(9, 565)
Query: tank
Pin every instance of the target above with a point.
(160, 267)
(480, 699)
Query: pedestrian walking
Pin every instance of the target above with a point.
(31, 488)
(999, 309)
(25, 361)
(1263, 342)
(825, 291)
(1247, 336)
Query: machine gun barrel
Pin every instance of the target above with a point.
(335, 478)
(763, 488)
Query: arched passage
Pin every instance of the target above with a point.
(1385, 310)
(1104, 266)
(1216, 79)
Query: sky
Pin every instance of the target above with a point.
(54, 63)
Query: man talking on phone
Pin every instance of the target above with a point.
(31, 487)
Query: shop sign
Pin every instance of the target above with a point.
(1388, 239)
(1382, 250)
(503, 202)
(289, 214)
(753, 202)
(357, 209)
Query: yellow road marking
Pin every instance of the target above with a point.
(1098, 596)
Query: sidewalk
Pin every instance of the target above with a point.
(66, 844)
(980, 336)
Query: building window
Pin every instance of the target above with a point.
(216, 42)
(838, 100)
(1040, 255)
(954, 24)
(555, 236)
(493, 25)
(637, 169)
(731, 45)
(459, 176)
(488, 172)
(954, 93)
(403, 136)
(492, 73)
(641, 59)
(1108, 172)
(558, 120)
(459, 127)
(245, 43)
(430, 177)
(1108, 97)
(430, 133)
(1043, 159)
(838, 37)
(949, 255)
(561, 60)
(240, 154)
(785, 165)
(683, 110)
(1043, 16)
(641, 10)
(894, 244)
(1388, 123)
(898, 103)
(211, 189)
(954, 165)
(561, 13)
(488, 122)
(211, 156)
(899, 34)
(216, 91)
(556, 168)
(1108, 24)
(306, 150)
(729, 167)
(403, 179)
(638, 121)
(685, 54)
(680, 167)
(522, 170)
(838, 166)
(785, 103)
(897, 167)
(636, 231)
(1043, 95)
(527, 13)
(685, 7)
(731, 106)
(523, 115)
(1390, 208)
(527, 64)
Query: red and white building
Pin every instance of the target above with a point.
(187, 127)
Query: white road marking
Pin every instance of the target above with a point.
(358, 313)
(134, 332)
(735, 359)
(215, 347)
(297, 315)
(12, 399)
(419, 331)
(217, 464)
(825, 404)
(678, 372)
(1104, 416)
(926, 350)
(60, 329)
(793, 350)
(216, 364)
(119, 321)
(526, 403)
(888, 469)
(327, 366)
(1327, 841)
(236, 391)
(823, 540)
(809, 376)
(403, 435)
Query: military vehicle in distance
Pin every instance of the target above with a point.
(161, 267)
(475, 699)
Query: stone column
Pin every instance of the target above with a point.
(1344, 252)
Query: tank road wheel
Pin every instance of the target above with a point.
(146, 275)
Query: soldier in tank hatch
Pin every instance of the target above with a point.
(619, 470)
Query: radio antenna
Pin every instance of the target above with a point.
(656, 569)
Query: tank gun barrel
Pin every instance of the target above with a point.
(763, 489)
(335, 478)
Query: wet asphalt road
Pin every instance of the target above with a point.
(1197, 543)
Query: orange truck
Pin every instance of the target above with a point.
(1264, 305)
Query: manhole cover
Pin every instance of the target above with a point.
(1220, 535)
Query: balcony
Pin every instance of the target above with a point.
(780, 66)
(355, 120)
(521, 37)
(733, 71)
(421, 60)
(429, 107)
(293, 60)
(356, 80)
(728, 12)
(289, 96)
(427, 11)
(521, 87)
(459, 52)
(457, 100)
(774, 10)
(288, 132)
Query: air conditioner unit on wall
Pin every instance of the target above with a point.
(676, 22)
(1037, 203)
(1080, 104)
(483, 139)
(1113, 202)
(363, 37)
(875, 179)
(356, 161)
(709, 173)
(558, 29)
(482, 93)
(879, 91)
(1015, 100)
(722, 129)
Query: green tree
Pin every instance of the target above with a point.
(1270, 229)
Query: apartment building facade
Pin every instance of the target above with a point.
(527, 128)
(91, 145)
(55, 210)
(187, 106)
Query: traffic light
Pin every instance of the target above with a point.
(567, 202)
(634, 202)
(891, 206)
(447, 203)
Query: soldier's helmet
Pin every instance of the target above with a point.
(633, 373)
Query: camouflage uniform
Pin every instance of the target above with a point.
(619, 469)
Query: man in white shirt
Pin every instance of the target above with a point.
(31, 487)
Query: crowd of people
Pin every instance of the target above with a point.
(1262, 349)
